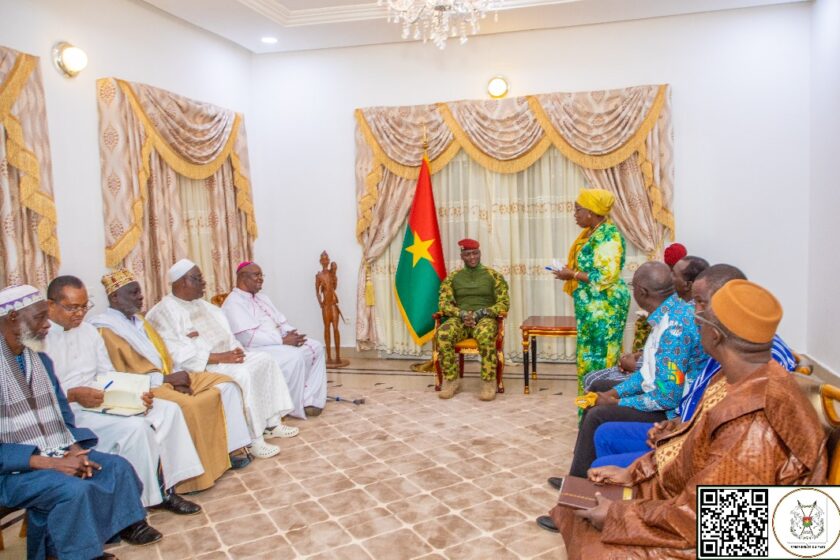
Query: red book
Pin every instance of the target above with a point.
(579, 493)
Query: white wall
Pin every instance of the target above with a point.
(122, 38)
(741, 107)
(824, 271)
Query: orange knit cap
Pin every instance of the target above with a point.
(749, 311)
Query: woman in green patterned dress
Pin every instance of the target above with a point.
(593, 279)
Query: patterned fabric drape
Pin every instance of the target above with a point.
(622, 140)
(29, 251)
(174, 185)
(523, 221)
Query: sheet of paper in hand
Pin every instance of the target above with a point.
(579, 493)
(123, 393)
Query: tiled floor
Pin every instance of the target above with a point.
(404, 475)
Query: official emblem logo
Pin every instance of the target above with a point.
(807, 522)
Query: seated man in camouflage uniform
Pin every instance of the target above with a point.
(470, 301)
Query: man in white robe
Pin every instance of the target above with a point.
(258, 325)
(199, 338)
(159, 437)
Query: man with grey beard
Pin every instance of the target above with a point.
(77, 499)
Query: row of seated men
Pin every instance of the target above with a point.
(708, 401)
(221, 381)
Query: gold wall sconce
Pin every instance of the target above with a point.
(69, 59)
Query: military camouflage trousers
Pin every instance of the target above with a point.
(454, 331)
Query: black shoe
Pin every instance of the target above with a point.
(556, 482)
(312, 410)
(178, 505)
(140, 534)
(239, 462)
(545, 522)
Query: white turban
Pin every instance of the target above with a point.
(15, 298)
(179, 269)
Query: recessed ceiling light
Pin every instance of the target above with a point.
(269, 40)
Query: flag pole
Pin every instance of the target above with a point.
(429, 365)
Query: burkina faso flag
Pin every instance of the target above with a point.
(421, 268)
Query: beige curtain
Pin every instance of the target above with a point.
(218, 242)
(29, 252)
(620, 139)
(523, 221)
(174, 185)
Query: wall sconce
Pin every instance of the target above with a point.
(68, 59)
(497, 87)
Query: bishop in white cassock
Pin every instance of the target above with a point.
(159, 437)
(199, 338)
(258, 325)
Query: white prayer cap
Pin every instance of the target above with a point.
(15, 298)
(179, 269)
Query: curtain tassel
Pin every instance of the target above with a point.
(370, 300)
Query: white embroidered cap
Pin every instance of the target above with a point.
(15, 298)
(179, 269)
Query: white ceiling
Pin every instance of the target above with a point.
(318, 24)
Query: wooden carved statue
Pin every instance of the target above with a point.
(326, 284)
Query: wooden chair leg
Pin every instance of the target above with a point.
(23, 527)
(500, 369)
(438, 372)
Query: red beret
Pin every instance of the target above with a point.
(468, 244)
(674, 253)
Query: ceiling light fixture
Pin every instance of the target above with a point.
(497, 87)
(269, 40)
(69, 60)
(437, 20)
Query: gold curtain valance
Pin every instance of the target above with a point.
(23, 82)
(195, 139)
(596, 130)
(621, 139)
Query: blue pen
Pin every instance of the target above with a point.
(105, 388)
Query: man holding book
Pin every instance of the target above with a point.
(752, 427)
(159, 437)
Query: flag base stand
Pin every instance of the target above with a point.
(423, 367)
(334, 364)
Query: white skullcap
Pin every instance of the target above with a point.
(179, 269)
(15, 298)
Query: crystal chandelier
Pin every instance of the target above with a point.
(437, 20)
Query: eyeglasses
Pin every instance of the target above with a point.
(73, 309)
(698, 316)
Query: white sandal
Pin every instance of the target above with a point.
(261, 449)
(281, 431)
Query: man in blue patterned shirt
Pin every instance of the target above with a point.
(672, 354)
(621, 443)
